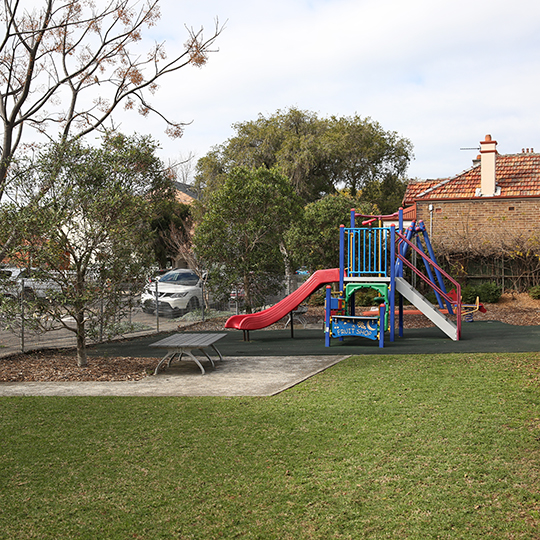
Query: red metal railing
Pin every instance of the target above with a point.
(445, 295)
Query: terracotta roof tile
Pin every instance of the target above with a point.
(518, 175)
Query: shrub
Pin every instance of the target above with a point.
(318, 298)
(365, 297)
(469, 294)
(488, 292)
(534, 292)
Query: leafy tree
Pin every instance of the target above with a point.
(387, 195)
(89, 233)
(313, 240)
(242, 229)
(366, 154)
(318, 155)
(69, 64)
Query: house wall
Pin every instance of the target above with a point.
(473, 224)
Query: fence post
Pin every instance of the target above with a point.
(22, 315)
(101, 320)
(157, 307)
(203, 299)
(502, 264)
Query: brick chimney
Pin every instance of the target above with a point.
(488, 157)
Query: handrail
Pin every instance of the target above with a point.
(444, 294)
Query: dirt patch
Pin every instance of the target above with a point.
(61, 365)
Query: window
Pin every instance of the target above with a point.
(180, 278)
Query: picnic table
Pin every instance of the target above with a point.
(183, 344)
(297, 315)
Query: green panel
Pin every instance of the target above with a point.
(381, 288)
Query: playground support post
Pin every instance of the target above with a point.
(382, 311)
(392, 294)
(341, 256)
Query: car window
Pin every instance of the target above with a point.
(180, 278)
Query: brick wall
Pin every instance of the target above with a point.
(482, 224)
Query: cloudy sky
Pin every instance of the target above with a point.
(441, 73)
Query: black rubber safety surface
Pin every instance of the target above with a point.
(479, 336)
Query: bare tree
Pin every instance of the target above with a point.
(180, 242)
(69, 65)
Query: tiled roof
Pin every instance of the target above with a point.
(517, 175)
(184, 193)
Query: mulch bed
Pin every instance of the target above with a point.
(61, 365)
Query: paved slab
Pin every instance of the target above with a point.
(234, 376)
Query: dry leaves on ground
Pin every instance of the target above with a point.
(61, 366)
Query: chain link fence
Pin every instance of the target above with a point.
(24, 326)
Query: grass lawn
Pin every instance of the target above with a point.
(416, 447)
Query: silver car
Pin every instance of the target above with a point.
(178, 292)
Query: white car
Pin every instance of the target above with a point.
(12, 280)
(178, 291)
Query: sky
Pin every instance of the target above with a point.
(441, 73)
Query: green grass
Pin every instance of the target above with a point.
(377, 447)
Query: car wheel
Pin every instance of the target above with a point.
(193, 304)
(147, 308)
(28, 294)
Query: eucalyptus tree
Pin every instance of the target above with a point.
(317, 155)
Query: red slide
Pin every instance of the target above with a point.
(262, 319)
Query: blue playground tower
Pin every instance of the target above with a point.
(388, 260)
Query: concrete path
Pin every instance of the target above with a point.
(235, 376)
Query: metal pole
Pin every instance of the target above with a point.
(157, 307)
(22, 315)
(341, 256)
(202, 292)
(101, 321)
(392, 298)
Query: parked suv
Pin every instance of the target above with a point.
(179, 291)
(12, 279)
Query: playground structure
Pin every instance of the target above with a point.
(378, 258)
